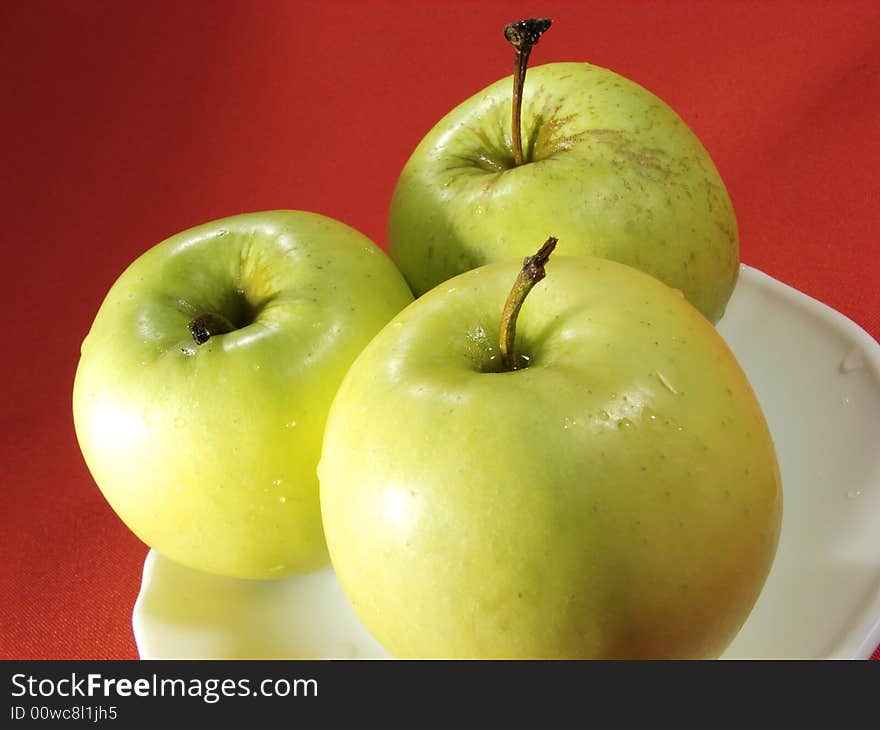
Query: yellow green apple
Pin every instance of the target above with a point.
(607, 165)
(204, 382)
(614, 493)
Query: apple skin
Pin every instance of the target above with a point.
(611, 171)
(620, 497)
(209, 452)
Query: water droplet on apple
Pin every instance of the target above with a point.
(624, 424)
(666, 383)
(290, 424)
(179, 422)
(854, 493)
(282, 499)
(603, 414)
(277, 568)
(852, 361)
(276, 482)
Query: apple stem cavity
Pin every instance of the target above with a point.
(204, 326)
(531, 273)
(522, 35)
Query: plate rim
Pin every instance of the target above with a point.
(862, 638)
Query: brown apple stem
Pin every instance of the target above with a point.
(522, 35)
(204, 326)
(531, 273)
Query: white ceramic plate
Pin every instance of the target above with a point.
(817, 376)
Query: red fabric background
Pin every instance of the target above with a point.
(123, 123)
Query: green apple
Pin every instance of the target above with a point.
(611, 168)
(204, 383)
(617, 495)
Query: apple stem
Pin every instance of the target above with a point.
(522, 35)
(204, 326)
(531, 273)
